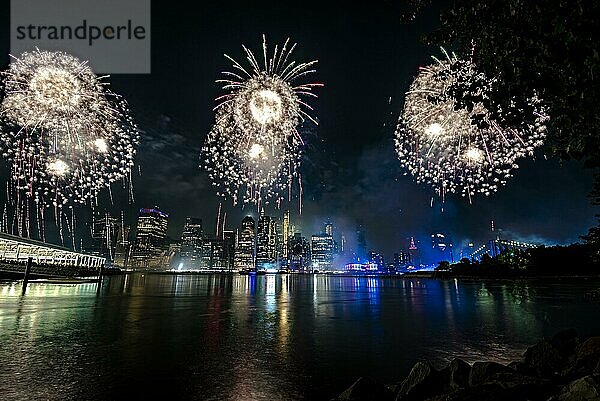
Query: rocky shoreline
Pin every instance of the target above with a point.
(563, 368)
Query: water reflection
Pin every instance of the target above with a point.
(263, 337)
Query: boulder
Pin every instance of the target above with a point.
(519, 367)
(586, 358)
(482, 371)
(544, 359)
(487, 392)
(365, 389)
(422, 382)
(585, 389)
(566, 343)
(521, 387)
(458, 372)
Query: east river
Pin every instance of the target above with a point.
(273, 337)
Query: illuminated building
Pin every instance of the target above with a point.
(358, 267)
(266, 236)
(299, 253)
(150, 248)
(173, 253)
(122, 246)
(244, 249)
(229, 248)
(442, 247)
(401, 260)
(191, 243)
(321, 250)
(413, 253)
(216, 253)
(285, 235)
(103, 236)
(361, 243)
(377, 259)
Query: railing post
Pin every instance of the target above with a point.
(100, 277)
(26, 277)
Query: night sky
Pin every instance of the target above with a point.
(367, 59)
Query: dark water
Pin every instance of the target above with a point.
(267, 337)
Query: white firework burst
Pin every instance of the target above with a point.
(253, 151)
(65, 134)
(451, 136)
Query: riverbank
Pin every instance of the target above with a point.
(563, 368)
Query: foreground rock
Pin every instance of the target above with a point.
(366, 390)
(562, 368)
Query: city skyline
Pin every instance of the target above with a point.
(275, 242)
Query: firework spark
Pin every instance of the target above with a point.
(458, 148)
(65, 134)
(253, 151)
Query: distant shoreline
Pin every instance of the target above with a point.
(417, 275)
(8, 277)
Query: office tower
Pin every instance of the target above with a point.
(377, 259)
(244, 251)
(442, 247)
(217, 253)
(401, 259)
(191, 243)
(265, 241)
(285, 235)
(321, 250)
(299, 253)
(229, 248)
(361, 243)
(104, 236)
(413, 253)
(122, 246)
(150, 249)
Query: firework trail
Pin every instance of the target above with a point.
(465, 146)
(65, 135)
(253, 151)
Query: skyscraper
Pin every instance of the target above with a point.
(104, 236)
(413, 253)
(150, 249)
(191, 243)
(266, 236)
(229, 248)
(299, 254)
(244, 250)
(122, 244)
(361, 243)
(285, 235)
(216, 253)
(321, 250)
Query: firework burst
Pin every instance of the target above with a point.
(451, 136)
(65, 134)
(253, 151)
